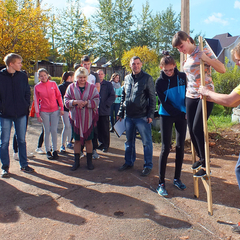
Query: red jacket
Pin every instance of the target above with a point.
(48, 96)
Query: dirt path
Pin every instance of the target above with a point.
(55, 203)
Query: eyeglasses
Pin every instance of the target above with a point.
(169, 70)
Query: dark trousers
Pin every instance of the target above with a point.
(195, 124)
(15, 143)
(103, 131)
(166, 124)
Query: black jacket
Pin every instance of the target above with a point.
(138, 96)
(107, 97)
(62, 88)
(14, 94)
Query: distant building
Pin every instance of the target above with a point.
(222, 45)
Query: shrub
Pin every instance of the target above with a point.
(225, 83)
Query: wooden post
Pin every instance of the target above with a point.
(206, 180)
(185, 25)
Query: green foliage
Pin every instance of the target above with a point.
(113, 23)
(165, 25)
(225, 83)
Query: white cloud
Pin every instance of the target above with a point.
(216, 18)
(88, 10)
(237, 4)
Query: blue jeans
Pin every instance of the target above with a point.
(5, 130)
(145, 131)
(237, 171)
(113, 115)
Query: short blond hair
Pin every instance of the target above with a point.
(235, 50)
(81, 71)
(11, 58)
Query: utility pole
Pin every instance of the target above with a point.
(185, 24)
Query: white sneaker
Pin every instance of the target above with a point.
(15, 156)
(30, 154)
(39, 150)
(81, 155)
(95, 155)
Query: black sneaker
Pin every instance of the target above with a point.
(27, 169)
(200, 173)
(197, 165)
(55, 155)
(124, 167)
(146, 171)
(49, 155)
(5, 174)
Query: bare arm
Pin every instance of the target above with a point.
(227, 100)
(216, 64)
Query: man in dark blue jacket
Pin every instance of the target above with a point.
(14, 107)
(138, 102)
(107, 97)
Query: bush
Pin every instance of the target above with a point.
(225, 83)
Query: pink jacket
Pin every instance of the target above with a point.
(48, 96)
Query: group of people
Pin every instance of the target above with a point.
(85, 102)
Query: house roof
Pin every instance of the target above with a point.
(225, 39)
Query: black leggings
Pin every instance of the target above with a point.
(166, 124)
(195, 124)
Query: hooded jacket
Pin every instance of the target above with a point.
(171, 92)
(14, 94)
(138, 96)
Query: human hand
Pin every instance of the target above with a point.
(39, 119)
(149, 120)
(203, 56)
(61, 112)
(118, 118)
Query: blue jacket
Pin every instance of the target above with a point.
(171, 92)
(14, 94)
(107, 97)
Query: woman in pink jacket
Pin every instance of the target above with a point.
(47, 94)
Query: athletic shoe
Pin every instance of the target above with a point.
(27, 169)
(177, 183)
(55, 155)
(39, 150)
(196, 165)
(62, 148)
(30, 154)
(95, 155)
(81, 155)
(15, 156)
(5, 174)
(49, 155)
(124, 167)
(161, 190)
(70, 145)
(200, 173)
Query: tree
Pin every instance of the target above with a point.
(143, 35)
(166, 24)
(148, 57)
(73, 34)
(22, 31)
(113, 22)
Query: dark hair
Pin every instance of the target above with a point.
(66, 75)
(76, 66)
(166, 59)
(86, 58)
(135, 58)
(114, 75)
(179, 37)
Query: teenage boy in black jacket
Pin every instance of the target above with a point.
(14, 105)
